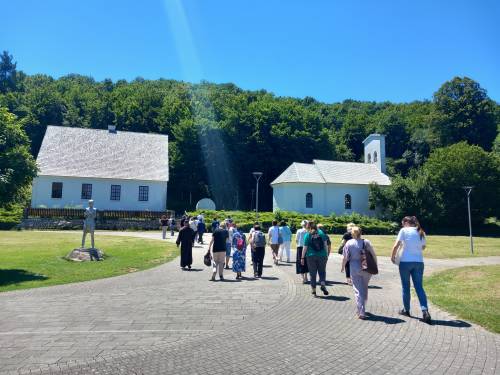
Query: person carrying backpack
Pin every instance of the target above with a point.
(315, 252)
(239, 252)
(258, 250)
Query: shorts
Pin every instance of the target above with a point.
(275, 247)
(228, 249)
(89, 227)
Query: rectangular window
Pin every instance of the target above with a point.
(115, 192)
(86, 191)
(57, 189)
(143, 193)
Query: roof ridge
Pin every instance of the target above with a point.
(340, 161)
(296, 171)
(118, 131)
(319, 171)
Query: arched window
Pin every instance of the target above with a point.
(375, 157)
(309, 200)
(347, 201)
(369, 158)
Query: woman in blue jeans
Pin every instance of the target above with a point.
(411, 240)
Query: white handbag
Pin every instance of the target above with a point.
(397, 258)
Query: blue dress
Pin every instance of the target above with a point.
(239, 256)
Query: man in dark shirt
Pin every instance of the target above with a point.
(218, 248)
(215, 224)
(346, 237)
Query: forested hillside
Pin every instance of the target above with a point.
(220, 133)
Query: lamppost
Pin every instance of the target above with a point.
(468, 190)
(257, 176)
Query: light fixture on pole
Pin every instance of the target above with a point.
(257, 176)
(468, 190)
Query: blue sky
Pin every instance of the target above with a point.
(329, 49)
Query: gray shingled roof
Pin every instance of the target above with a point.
(333, 172)
(77, 152)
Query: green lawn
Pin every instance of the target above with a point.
(471, 293)
(439, 247)
(35, 259)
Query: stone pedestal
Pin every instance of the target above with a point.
(85, 255)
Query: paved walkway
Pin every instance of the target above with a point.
(166, 320)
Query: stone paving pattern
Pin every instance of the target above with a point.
(169, 321)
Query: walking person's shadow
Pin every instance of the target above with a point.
(385, 319)
(457, 323)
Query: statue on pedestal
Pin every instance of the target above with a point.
(89, 223)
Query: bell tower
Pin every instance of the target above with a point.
(375, 150)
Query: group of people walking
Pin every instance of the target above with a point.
(359, 260)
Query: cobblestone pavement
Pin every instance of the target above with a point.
(169, 321)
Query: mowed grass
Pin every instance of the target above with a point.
(35, 259)
(471, 293)
(439, 247)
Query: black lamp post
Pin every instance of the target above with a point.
(257, 176)
(468, 190)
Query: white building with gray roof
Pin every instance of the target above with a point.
(325, 187)
(119, 170)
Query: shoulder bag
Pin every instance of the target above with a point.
(368, 262)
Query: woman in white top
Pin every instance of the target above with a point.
(411, 240)
(301, 269)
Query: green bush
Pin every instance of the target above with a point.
(333, 224)
(10, 216)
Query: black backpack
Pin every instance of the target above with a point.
(317, 243)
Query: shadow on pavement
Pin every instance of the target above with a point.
(269, 278)
(14, 276)
(374, 287)
(331, 282)
(385, 319)
(334, 298)
(449, 323)
(192, 269)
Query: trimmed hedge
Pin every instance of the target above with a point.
(333, 223)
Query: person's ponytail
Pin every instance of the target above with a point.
(419, 228)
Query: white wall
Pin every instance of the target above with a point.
(101, 193)
(327, 198)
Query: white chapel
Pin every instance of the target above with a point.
(119, 170)
(325, 187)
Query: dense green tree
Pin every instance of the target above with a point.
(451, 168)
(435, 192)
(466, 113)
(8, 73)
(17, 166)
